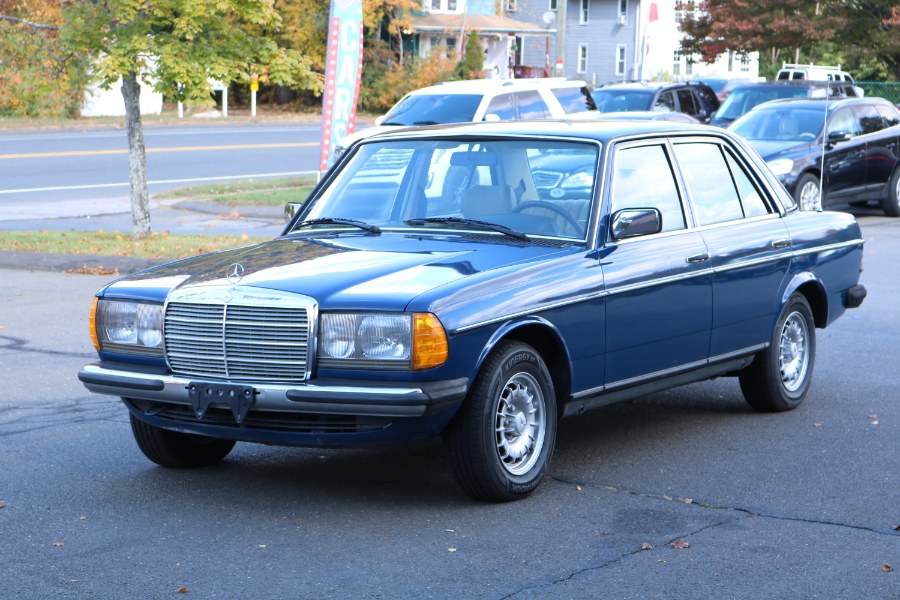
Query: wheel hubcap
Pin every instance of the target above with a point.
(521, 424)
(794, 356)
(809, 196)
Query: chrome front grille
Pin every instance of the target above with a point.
(247, 342)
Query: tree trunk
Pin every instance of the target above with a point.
(137, 157)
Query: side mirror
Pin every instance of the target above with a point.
(633, 222)
(836, 137)
(290, 209)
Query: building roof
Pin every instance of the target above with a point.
(481, 23)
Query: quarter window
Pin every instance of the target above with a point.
(869, 118)
(642, 178)
(709, 183)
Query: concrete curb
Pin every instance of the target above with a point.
(82, 263)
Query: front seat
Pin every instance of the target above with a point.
(482, 200)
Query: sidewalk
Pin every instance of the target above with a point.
(186, 217)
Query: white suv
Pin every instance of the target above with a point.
(482, 100)
(792, 72)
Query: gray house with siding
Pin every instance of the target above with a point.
(601, 38)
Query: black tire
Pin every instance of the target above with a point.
(178, 450)
(807, 187)
(890, 204)
(497, 455)
(779, 377)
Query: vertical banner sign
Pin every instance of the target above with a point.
(343, 71)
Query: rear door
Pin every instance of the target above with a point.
(749, 245)
(881, 146)
(845, 162)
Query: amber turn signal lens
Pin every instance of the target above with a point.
(429, 344)
(92, 324)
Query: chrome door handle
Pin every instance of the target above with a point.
(781, 244)
(697, 258)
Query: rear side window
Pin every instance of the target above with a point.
(502, 106)
(532, 106)
(574, 99)
(891, 115)
(642, 178)
(709, 182)
(869, 118)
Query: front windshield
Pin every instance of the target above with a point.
(742, 100)
(536, 187)
(781, 123)
(432, 109)
(613, 100)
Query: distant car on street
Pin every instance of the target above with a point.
(695, 99)
(398, 306)
(743, 98)
(858, 137)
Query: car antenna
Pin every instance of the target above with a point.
(818, 206)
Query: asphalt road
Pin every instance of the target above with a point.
(804, 504)
(85, 171)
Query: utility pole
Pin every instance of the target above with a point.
(561, 37)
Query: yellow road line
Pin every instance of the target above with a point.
(157, 150)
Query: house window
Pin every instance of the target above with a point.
(620, 60)
(583, 13)
(623, 10)
(676, 63)
(441, 5)
(745, 63)
(552, 5)
(451, 44)
(582, 58)
(510, 5)
(689, 65)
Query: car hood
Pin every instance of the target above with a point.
(772, 149)
(346, 271)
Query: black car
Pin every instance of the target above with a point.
(859, 138)
(743, 98)
(692, 98)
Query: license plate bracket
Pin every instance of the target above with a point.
(238, 398)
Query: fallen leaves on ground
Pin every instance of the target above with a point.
(680, 544)
(646, 546)
(887, 568)
(98, 270)
(182, 590)
(2, 503)
(58, 544)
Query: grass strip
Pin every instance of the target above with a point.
(110, 243)
(249, 192)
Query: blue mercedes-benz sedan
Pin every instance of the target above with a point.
(469, 282)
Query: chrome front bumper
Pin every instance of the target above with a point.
(322, 396)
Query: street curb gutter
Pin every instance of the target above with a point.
(39, 261)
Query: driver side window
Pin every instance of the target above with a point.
(643, 178)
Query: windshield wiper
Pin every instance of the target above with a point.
(469, 223)
(339, 221)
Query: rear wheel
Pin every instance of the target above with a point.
(891, 203)
(779, 377)
(807, 192)
(502, 439)
(178, 450)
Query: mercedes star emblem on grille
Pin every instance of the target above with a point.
(235, 273)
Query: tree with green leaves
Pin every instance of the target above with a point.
(177, 47)
(471, 66)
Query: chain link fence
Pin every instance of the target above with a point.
(889, 90)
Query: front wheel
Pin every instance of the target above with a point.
(779, 377)
(502, 440)
(178, 450)
(891, 203)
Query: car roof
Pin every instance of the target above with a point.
(807, 83)
(650, 85)
(602, 131)
(819, 103)
(484, 86)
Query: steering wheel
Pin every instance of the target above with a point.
(569, 219)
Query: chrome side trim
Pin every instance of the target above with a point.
(829, 247)
(668, 372)
(531, 311)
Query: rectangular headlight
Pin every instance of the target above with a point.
(381, 340)
(129, 326)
